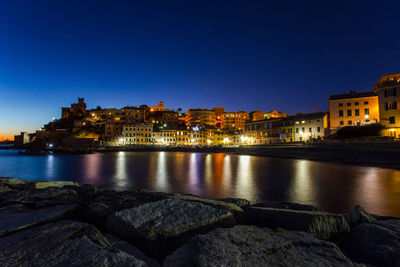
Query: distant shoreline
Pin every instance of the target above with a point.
(373, 155)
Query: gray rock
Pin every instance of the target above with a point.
(286, 205)
(17, 217)
(62, 243)
(109, 202)
(252, 246)
(10, 181)
(392, 224)
(46, 184)
(240, 202)
(358, 215)
(321, 224)
(373, 244)
(131, 250)
(236, 210)
(158, 228)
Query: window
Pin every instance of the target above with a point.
(390, 92)
(340, 113)
(310, 130)
(349, 112)
(366, 111)
(341, 122)
(356, 103)
(340, 104)
(348, 104)
(297, 130)
(302, 130)
(365, 102)
(392, 120)
(319, 129)
(349, 122)
(357, 112)
(390, 106)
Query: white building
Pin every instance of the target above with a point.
(311, 126)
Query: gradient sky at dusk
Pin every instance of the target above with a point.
(244, 55)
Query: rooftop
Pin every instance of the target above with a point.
(352, 95)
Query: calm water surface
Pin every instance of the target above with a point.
(332, 187)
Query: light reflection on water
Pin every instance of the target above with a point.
(330, 186)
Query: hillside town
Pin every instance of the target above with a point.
(161, 126)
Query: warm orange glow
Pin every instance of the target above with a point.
(5, 137)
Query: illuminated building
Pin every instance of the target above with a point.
(273, 114)
(263, 131)
(287, 129)
(165, 137)
(257, 115)
(353, 109)
(388, 90)
(219, 116)
(311, 126)
(226, 138)
(117, 118)
(76, 109)
(137, 134)
(160, 107)
(200, 117)
(234, 120)
(163, 117)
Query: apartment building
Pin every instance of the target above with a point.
(137, 134)
(353, 109)
(311, 126)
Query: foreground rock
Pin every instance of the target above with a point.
(253, 246)
(321, 224)
(286, 205)
(63, 243)
(377, 244)
(358, 216)
(160, 227)
(17, 217)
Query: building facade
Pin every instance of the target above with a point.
(137, 134)
(234, 121)
(353, 109)
(388, 90)
(311, 126)
(116, 119)
(200, 117)
(263, 132)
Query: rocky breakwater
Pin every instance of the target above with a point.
(66, 224)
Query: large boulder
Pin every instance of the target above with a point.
(17, 217)
(37, 198)
(46, 184)
(109, 202)
(158, 228)
(376, 244)
(131, 250)
(286, 205)
(62, 243)
(240, 202)
(321, 224)
(252, 246)
(358, 216)
(224, 205)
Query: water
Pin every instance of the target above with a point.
(332, 187)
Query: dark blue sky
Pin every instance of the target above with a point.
(244, 55)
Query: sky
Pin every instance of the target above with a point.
(243, 55)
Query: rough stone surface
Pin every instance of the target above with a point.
(236, 210)
(358, 215)
(131, 250)
(286, 205)
(321, 224)
(107, 203)
(374, 244)
(17, 217)
(240, 202)
(63, 243)
(46, 184)
(159, 227)
(253, 246)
